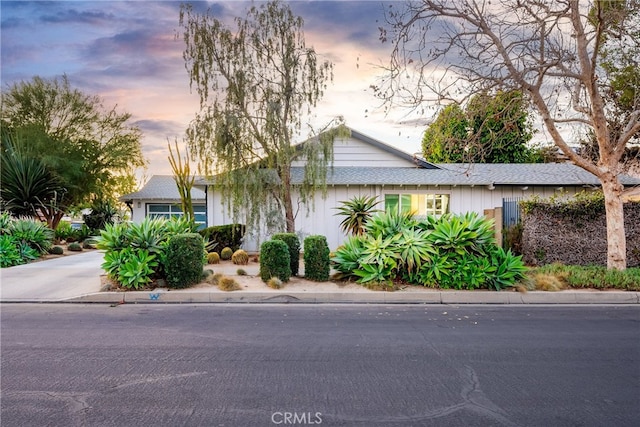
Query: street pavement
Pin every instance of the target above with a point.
(336, 365)
(77, 279)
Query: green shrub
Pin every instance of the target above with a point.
(183, 265)
(222, 236)
(34, 233)
(5, 222)
(137, 269)
(74, 247)
(240, 257)
(56, 250)
(63, 231)
(293, 242)
(102, 213)
(213, 258)
(9, 254)
(241, 272)
(226, 254)
(274, 260)
(316, 258)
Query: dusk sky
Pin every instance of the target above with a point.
(128, 54)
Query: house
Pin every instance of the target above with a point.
(160, 198)
(363, 166)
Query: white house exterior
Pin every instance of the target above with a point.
(363, 166)
(160, 198)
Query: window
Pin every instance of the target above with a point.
(167, 211)
(419, 204)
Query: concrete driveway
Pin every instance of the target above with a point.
(53, 279)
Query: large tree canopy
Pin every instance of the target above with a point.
(491, 129)
(91, 152)
(256, 83)
(554, 51)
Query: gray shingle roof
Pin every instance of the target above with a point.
(162, 187)
(552, 174)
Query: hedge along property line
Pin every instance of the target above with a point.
(574, 232)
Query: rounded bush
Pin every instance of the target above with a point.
(183, 265)
(293, 242)
(240, 257)
(316, 258)
(274, 283)
(226, 253)
(213, 258)
(56, 250)
(74, 247)
(274, 260)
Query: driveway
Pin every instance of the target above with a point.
(52, 280)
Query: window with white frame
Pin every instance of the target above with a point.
(166, 210)
(421, 204)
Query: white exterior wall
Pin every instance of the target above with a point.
(322, 220)
(353, 152)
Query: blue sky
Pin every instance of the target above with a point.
(128, 53)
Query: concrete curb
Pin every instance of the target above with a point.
(373, 297)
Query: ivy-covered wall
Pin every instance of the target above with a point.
(574, 231)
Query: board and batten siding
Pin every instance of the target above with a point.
(353, 152)
(320, 218)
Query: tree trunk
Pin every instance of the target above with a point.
(286, 200)
(616, 237)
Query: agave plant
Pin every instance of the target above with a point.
(357, 212)
(34, 233)
(347, 257)
(389, 224)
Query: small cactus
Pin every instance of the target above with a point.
(213, 258)
(240, 257)
(226, 254)
(241, 272)
(56, 250)
(74, 247)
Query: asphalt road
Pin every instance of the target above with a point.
(244, 365)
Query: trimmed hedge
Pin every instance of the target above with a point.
(316, 258)
(293, 242)
(274, 261)
(184, 263)
(230, 235)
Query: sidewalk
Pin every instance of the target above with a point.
(76, 279)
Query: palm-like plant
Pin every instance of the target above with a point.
(357, 212)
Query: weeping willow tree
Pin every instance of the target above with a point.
(256, 82)
(184, 179)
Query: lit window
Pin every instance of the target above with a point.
(168, 211)
(419, 204)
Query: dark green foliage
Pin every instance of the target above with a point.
(183, 265)
(293, 242)
(316, 258)
(274, 261)
(226, 254)
(102, 213)
(124, 242)
(452, 251)
(223, 236)
(74, 247)
(56, 250)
